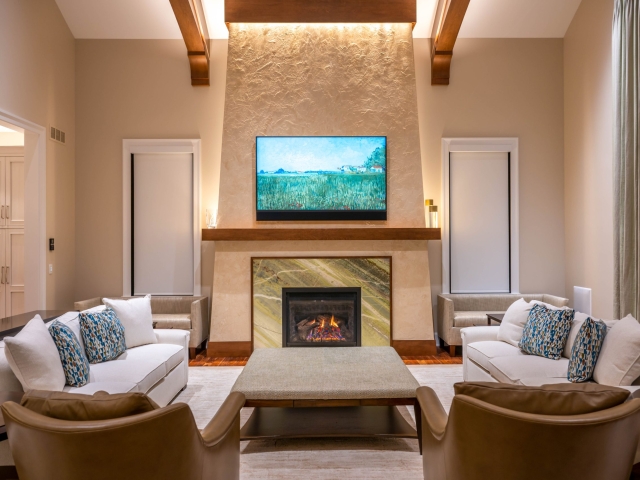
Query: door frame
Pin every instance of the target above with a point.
(482, 144)
(133, 146)
(35, 228)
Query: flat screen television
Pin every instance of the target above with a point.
(321, 178)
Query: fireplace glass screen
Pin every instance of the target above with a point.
(321, 317)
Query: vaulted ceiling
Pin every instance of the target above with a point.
(154, 19)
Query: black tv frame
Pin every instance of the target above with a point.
(323, 215)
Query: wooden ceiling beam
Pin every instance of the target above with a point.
(192, 27)
(451, 13)
(320, 11)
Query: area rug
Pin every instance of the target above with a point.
(319, 458)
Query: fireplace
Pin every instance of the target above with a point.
(321, 317)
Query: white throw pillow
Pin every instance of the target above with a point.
(33, 357)
(135, 316)
(619, 360)
(99, 308)
(513, 322)
(548, 305)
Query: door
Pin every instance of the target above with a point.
(14, 192)
(14, 272)
(162, 257)
(479, 222)
(3, 287)
(3, 190)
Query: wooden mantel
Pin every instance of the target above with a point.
(296, 234)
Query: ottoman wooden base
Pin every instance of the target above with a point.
(274, 422)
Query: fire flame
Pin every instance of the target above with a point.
(326, 331)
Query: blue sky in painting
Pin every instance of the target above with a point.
(314, 153)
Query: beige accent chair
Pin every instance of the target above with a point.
(457, 311)
(122, 438)
(497, 436)
(182, 313)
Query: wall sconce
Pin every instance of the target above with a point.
(211, 218)
(432, 214)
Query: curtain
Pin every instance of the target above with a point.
(626, 71)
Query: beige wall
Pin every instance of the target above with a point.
(141, 89)
(588, 104)
(37, 83)
(320, 80)
(504, 88)
(136, 89)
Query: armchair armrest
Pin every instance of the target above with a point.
(555, 301)
(87, 304)
(433, 413)
(223, 420)
(200, 320)
(445, 317)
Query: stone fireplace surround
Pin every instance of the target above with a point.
(311, 79)
(231, 314)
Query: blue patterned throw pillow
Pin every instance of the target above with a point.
(546, 331)
(74, 361)
(103, 335)
(585, 350)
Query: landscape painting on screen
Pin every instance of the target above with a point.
(321, 173)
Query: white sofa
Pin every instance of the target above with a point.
(160, 370)
(487, 359)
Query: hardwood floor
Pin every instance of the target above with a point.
(441, 358)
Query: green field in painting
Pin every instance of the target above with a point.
(373, 275)
(322, 191)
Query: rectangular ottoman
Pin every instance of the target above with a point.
(320, 377)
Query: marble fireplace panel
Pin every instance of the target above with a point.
(371, 274)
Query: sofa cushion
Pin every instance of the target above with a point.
(33, 357)
(109, 387)
(539, 381)
(512, 369)
(145, 374)
(483, 352)
(619, 361)
(557, 399)
(585, 350)
(77, 407)
(471, 319)
(74, 360)
(145, 366)
(135, 316)
(181, 321)
(103, 335)
(169, 354)
(546, 331)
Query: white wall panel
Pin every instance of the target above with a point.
(479, 222)
(163, 224)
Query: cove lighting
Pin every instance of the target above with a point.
(214, 13)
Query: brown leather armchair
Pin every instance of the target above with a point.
(163, 443)
(479, 440)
